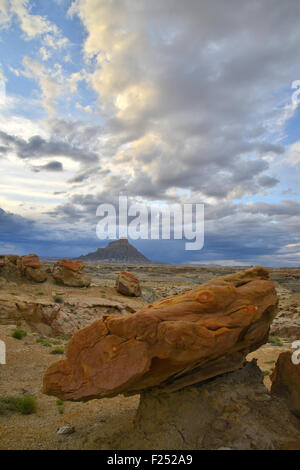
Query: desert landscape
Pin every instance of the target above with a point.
(149, 227)
(50, 302)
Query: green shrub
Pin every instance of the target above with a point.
(58, 350)
(18, 334)
(27, 405)
(44, 342)
(24, 405)
(40, 293)
(275, 341)
(59, 402)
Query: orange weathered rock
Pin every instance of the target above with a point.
(286, 381)
(31, 261)
(70, 273)
(128, 284)
(173, 343)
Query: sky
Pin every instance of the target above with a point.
(163, 102)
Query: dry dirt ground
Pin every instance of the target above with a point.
(96, 422)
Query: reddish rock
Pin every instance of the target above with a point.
(286, 380)
(76, 266)
(169, 345)
(31, 261)
(70, 273)
(128, 284)
(31, 267)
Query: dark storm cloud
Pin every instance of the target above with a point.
(51, 166)
(37, 147)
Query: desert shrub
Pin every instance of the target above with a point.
(56, 341)
(25, 405)
(40, 293)
(44, 342)
(58, 300)
(275, 341)
(58, 350)
(18, 334)
(60, 405)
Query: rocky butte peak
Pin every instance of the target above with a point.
(117, 252)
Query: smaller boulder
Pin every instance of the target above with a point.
(286, 381)
(31, 268)
(70, 273)
(128, 284)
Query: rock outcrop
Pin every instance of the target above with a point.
(15, 268)
(286, 381)
(70, 273)
(234, 411)
(55, 319)
(169, 345)
(128, 284)
(9, 267)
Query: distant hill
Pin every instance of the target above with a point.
(117, 252)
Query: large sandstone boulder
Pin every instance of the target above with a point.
(169, 345)
(31, 268)
(70, 273)
(286, 381)
(128, 284)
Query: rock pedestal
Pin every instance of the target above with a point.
(286, 380)
(233, 411)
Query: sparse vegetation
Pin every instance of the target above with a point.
(18, 334)
(58, 350)
(40, 293)
(25, 405)
(275, 341)
(58, 299)
(44, 342)
(60, 405)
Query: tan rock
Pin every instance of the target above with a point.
(70, 273)
(168, 345)
(128, 284)
(9, 267)
(233, 411)
(286, 381)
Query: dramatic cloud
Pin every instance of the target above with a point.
(162, 101)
